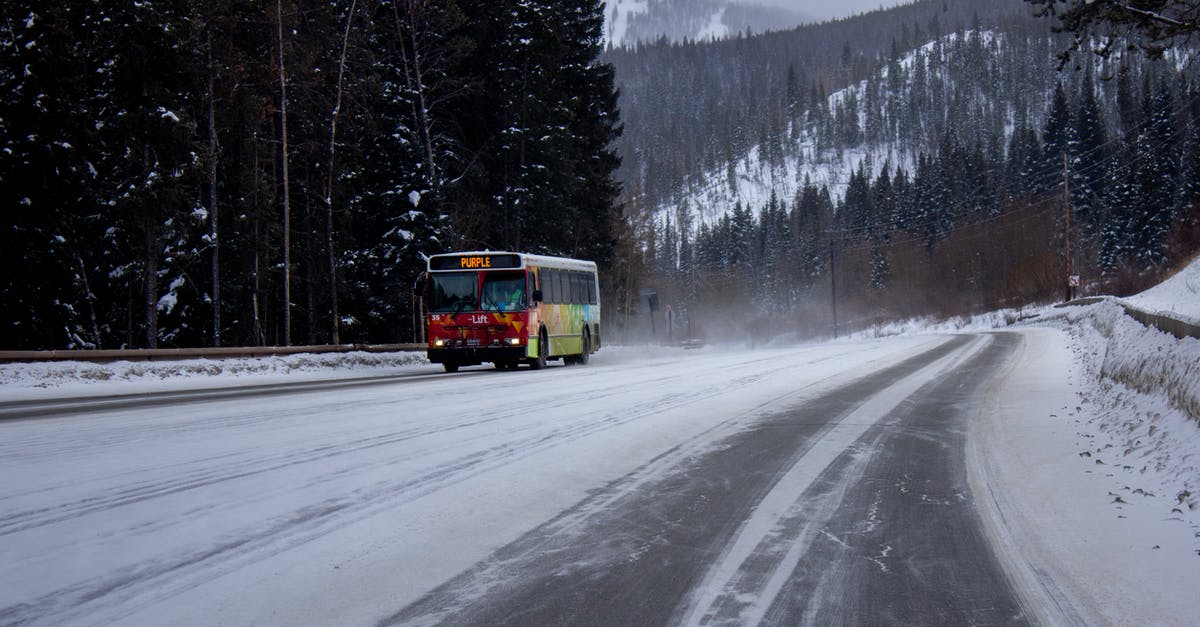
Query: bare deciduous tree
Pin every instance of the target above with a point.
(333, 120)
(287, 208)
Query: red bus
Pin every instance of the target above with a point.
(510, 308)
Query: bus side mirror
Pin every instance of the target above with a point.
(537, 296)
(420, 289)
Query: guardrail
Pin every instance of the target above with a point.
(1164, 323)
(151, 354)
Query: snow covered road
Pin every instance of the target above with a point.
(820, 483)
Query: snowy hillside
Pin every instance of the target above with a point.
(628, 22)
(1178, 296)
(755, 179)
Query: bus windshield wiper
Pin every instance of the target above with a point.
(490, 302)
(458, 308)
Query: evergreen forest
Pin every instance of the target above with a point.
(274, 172)
(935, 159)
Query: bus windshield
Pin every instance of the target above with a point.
(452, 292)
(504, 291)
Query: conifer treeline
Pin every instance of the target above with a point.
(976, 220)
(146, 171)
(695, 106)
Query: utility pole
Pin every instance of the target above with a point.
(833, 284)
(1067, 226)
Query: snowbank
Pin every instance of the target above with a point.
(1141, 358)
(77, 378)
(1093, 488)
(59, 379)
(960, 324)
(1145, 393)
(1083, 484)
(1178, 296)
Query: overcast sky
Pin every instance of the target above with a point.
(828, 9)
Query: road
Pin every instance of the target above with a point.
(815, 484)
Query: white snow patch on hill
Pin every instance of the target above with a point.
(1178, 296)
(617, 16)
(754, 180)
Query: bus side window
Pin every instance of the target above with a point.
(591, 288)
(578, 289)
(551, 286)
(573, 280)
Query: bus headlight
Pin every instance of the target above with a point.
(513, 341)
(439, 343)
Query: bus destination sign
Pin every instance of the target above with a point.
(474, 262)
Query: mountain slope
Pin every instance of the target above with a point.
(629, 22)
(818, 147)
(927, 169)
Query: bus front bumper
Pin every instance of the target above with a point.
(472, 355)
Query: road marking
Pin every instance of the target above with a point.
(785, 503)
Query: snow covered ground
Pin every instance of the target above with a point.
(146, 516)
(1085, 460)
(1089, 488)
(1178, 296)
(64, 379)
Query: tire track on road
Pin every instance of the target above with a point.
(228, 470)
(630, 557)
(757, 566)
(892, 532)
(156, 580)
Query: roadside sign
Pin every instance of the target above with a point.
(651, 297)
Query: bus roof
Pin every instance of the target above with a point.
(497, 260)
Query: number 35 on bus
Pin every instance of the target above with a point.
(510, 308)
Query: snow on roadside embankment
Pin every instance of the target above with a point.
(1146, 394)
(65, 379)
(56, 379)
(1177, 297)
(1087, 462)
(1077, 496)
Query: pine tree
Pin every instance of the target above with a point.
(812, 216)
(1189, 187)
(595, 129)
(1056, 140)
(399, 205)
(1089, 150)
(1158, 174)
(147, 107)
(687, 254)
(1025, 160)
(741, 239)
(541, 125)
(47, 179)
(856, 212)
